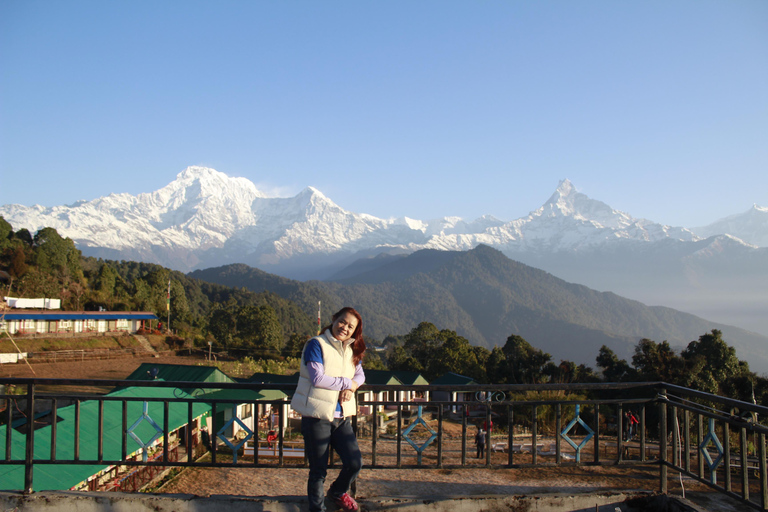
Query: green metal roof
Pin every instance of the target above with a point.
(410, 378)
(381, 378)
(243, 396)
(453, 379)
(272, 378)
(180, 373)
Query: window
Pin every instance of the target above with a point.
(247, 411)
(122, 324)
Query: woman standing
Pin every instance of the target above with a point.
(330, 373)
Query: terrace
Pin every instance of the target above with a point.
(119, 441)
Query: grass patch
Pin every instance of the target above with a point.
(74, 343)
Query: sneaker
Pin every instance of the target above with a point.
(346, 502)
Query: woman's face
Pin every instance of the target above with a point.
(344, 326)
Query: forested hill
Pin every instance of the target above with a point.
(485, 297)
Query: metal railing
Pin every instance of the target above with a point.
(714, 440)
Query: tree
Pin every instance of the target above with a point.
(6, 233)
(422, 342)
(455, 355)
(24, 236)
(295, 345)
(658, 362)
(17, 265)
(525, 364)
(496, 367)
(221, 325)
(710, 362)
(400, 361)
(614, 369)
(258, 328)
(563, 373)
(54, 253)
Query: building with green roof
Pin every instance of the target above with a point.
(89, 476)
(229, 402)
(454, 379)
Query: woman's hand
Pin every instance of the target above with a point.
(346, 395)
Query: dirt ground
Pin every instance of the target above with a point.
(388, 482)
(116, 369)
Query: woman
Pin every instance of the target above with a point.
(330, 373)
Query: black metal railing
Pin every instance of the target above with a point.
(147, 426)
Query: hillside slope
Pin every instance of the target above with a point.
(485, 297)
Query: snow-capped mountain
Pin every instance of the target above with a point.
(750, 226)
(204, 210)
(205, 218)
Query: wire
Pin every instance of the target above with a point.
(679, 454)
(697, 405)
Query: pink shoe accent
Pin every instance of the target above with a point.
(346, 502)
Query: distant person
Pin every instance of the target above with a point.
(625, 425)
(633, 423)
(331, 371)
(480, 442)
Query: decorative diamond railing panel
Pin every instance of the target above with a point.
(419, 448)
(145, 446)
(234, 447)
(573, 422)
(711, 437)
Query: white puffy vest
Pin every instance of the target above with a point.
(337, 362)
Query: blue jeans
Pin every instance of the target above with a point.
(319, 437)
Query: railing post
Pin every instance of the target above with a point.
(620, 432)
(440, 437)
(30, 452)
(400, 434)
(687, 442)
(510, 435)
(558, 429)
(744, 463)
(374, 430)
(464, 413)
(488, 431)
(763, 475)
(597, 433)
(663, 470)
(534, 435)
(643, 454)
(727, 456)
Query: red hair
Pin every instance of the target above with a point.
(358, 347)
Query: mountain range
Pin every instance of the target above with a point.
(486, 297)
(205, 218)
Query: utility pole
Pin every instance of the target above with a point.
(168, 306)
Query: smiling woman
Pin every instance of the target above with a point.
(331, 371)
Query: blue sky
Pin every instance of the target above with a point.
(424, 109)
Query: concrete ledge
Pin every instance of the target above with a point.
(124, 502)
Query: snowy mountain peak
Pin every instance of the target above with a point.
(568, 202)
(205, 182)
(750, 226)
